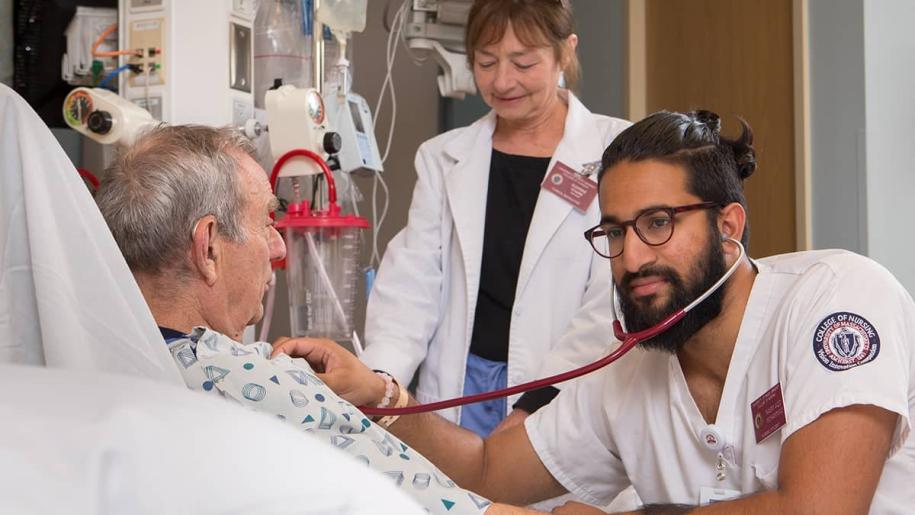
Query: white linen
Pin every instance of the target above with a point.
(67, 298)
(77, 443)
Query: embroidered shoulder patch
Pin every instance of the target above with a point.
(845, 340)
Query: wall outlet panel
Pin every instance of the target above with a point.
(204, 73)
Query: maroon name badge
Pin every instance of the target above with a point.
(571, 186)
(768, 413)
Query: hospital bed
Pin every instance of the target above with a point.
(95, 418)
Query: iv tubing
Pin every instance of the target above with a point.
(325, 278)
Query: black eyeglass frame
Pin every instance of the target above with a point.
(672, 212)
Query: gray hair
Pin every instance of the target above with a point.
(156, 191)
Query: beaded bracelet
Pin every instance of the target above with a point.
(388, 388)
(402, 401)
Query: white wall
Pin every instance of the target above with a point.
(889, 49)
(862, 113)
(601, 28)
(837, 115)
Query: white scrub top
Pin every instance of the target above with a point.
(829, 328)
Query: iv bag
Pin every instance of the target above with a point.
(281, 48)
(346, 16)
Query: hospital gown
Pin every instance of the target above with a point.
(289, 389)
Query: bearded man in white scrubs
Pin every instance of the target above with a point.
(789, 389)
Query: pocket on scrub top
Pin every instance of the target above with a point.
(764, 457)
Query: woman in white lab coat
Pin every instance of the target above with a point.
(491, 282)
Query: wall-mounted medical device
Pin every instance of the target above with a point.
(104, 116)
(437, 26)
(194, 59)
(351, 118)
(297, 119)
(89, 50)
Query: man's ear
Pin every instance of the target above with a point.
(731, 221)
(206, 249)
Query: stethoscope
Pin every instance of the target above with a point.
(629, 340)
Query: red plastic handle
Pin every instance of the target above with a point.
(301, 152)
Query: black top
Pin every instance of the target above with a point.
(514, 184)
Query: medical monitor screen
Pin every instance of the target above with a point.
(357, 116)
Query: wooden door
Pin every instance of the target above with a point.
(734, 57)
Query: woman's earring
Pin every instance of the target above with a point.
(562, 80)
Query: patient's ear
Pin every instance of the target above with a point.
(205, 248)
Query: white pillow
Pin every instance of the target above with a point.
(75, 442)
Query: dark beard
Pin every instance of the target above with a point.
(707, 271)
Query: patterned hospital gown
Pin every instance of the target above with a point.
(288, 388)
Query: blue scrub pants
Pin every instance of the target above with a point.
(482, 376)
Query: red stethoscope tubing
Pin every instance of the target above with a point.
(505, 392)
(629, 340)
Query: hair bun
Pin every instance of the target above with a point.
(709, 119)
(746, 164)
(703, 128)
(744, 154)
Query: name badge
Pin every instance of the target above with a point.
(709, 495)
(768, 413)
(571, 186)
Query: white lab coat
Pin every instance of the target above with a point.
(421, 309)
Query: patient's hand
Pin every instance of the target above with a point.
(337, 367)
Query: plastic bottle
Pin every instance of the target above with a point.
(281, 48)
(345, 16)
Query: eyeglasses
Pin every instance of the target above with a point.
(654, 227)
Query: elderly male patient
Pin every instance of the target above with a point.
(190, 209)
